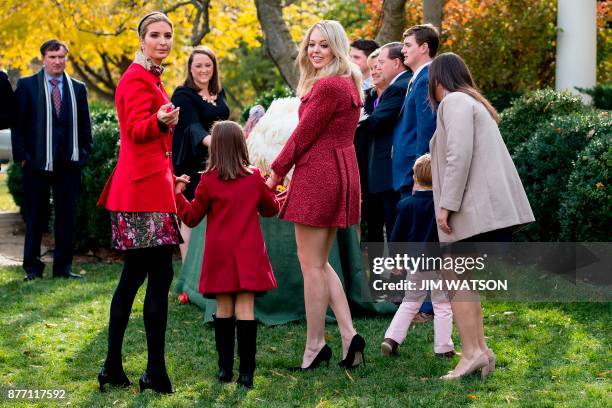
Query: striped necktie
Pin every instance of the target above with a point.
(57, 97)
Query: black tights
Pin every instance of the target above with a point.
(156, 263)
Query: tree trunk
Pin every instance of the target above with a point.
(394, 17)
(278, 42)
(432, 12)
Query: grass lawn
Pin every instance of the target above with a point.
(53, 336)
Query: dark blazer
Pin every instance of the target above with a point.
(415, 128)
(363, 140)
(195, 120)
(7, 96)
(379, 126)
(28, 135)
(416, 219)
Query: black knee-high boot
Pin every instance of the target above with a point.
(224, 340)
(246, 331)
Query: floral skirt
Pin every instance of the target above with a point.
(131, 230)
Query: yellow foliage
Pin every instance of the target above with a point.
(101, 34)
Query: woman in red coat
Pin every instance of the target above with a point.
(235, 264)
(324, 190)
(140, 196)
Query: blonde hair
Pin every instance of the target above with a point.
(422, 170)
(154, 17)
(374, 55)
(341, 64)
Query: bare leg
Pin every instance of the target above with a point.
(225, 306)
(337, 299)
(312, 254)
(467, 313)
(186, 234)
(245, 303)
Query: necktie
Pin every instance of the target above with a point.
(57, 97)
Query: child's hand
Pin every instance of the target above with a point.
(180, 183)
(273, 180)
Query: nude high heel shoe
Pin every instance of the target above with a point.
(481, 362)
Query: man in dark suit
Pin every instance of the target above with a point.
(417, 122)
(379, 126)
(52, 141)
(7, 113)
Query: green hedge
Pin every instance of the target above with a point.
(601, 94)
(519, 122)
(92, 223)
(586, 210)
(544, 163)
(14, 183)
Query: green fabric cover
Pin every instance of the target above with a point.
(286, 303)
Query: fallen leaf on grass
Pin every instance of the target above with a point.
(508, 313)
(349, 375)
(472, 396)
(50, 325)
(273, 349)
(604, 374)
(508, 398)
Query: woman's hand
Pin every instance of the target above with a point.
(180, 183)
(206, 140)
(273, 180)
(442, 220)
(168, 114)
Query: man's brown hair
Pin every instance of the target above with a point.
(228, 151)
(425, 33)
(52, 45)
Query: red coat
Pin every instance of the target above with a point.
(324, 189)
(143, 179)
(235, 257)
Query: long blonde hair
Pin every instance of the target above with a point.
(340, 65)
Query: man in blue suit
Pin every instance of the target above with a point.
(51, 140)
(417, 121)
(379, 127)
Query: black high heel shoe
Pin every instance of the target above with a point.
(157, 383)
(119, 379)
(355, 355)
(324, 355)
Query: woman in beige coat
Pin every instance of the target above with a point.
(478, 195)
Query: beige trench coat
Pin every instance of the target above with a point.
(473, 173)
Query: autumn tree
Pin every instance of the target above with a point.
(102, 39)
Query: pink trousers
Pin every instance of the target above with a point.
(443, 318)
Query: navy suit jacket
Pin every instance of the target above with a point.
(416, 219)
(28, 133)
(379, 126)
(414, 129)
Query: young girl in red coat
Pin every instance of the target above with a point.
(235, 266)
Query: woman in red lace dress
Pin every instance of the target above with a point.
(324, 190)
